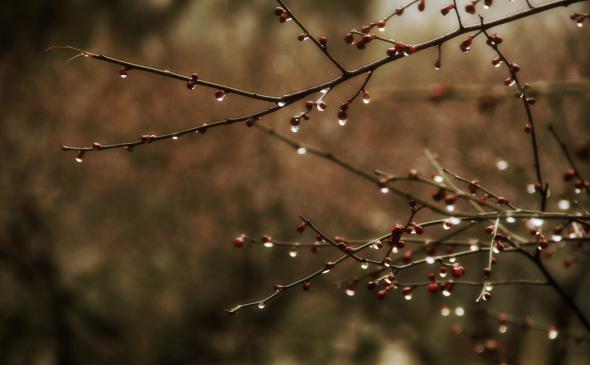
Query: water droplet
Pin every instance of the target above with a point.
(445, 311)
(446, 225)
(446, 292)
(502, 328)
(489, 287)
(466, 50)
(261, 305)
(321, 106)
(325, 271)
(459, 311)
(502, 165)
(564, 204)
(577, 191)
(510, 219)
(382, 29)
(364, 265)
(430, 260)
(438, 179)
(450, 208)
(556, 238)
(530, 188)
(443, 274)
(408, 297)
(580, 24)
(175, 138)
(452, 260)
(342, 121)
(552, 333)
(294, 128)
(293, 252)
(534, 223)
(394, 250)
(268, 244)
(385, 190)
(473, 247)
(455, 221)
(512, 82)
(350, 292)
(486, 6)
(220, 97)
(377, 245)
(281, 103)
(495, 250)
(301, 151)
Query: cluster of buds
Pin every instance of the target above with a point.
(400, 48)
(192, 83)
(579, 18)
(282, 14)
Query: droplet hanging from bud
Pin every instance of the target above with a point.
(342, 118)
(366, 97)
(301, 151)
(293, 252)
(220, 95)
(79, 156)
(124, 72)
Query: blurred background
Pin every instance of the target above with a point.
(127, 258)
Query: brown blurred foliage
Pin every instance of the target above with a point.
(127, 258)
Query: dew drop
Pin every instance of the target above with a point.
(268, 244)
(377, 245)
(79, 157)
(455, 221)
(350, 292)
(293, 252)
(443, 274)
(502, 165)
(342, 121)
(450, 208)
(382, 29)
(430, 260)
(281, 103)
(556, 238)
(446, 293)
(365, 265)
(301, 151)
(510, 219)
(564, 204)
(175, 138)
(502, 328)
(446, 226)
(530, 188)
(220, 98)
(438, 179)
(577, 191)
(261, 305)
(474, 247)
(466, 50)
(385, 190)
(486, 7)
(534, 223)
(325, 271)
(552, 333)
(321, 106)
(445, 311)
(408, 297)
(294, 128)
(394, 250)
(495, 250)
(580, 24)
(459, 311)
(452, 260)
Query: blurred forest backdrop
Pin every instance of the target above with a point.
(128, 258)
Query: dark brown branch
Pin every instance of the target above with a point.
(290, 98)
(569, 158)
